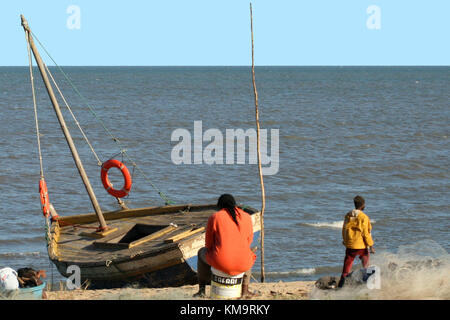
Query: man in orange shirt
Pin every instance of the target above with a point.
(229, 234)
(357, 238)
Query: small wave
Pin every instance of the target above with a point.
(287, 274)
(20, 241)
(19, 254)
(301, 138)
(333, 225)
(302, 272)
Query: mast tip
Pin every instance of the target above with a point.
(24, 23)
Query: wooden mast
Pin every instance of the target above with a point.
(261, 180)
(64, 128)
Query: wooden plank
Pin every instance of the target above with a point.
(153, 236)
(116, 234)
(183, 235)
(137, 212)
(108, 245)
(105, 244)
(98, 235)
(121, 214)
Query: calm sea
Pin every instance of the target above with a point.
(380, 132)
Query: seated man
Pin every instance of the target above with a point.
(229, 235)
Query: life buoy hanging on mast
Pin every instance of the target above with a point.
(113, 163)
(45, 202)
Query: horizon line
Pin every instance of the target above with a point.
(271, 65)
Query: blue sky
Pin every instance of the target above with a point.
(213, 32)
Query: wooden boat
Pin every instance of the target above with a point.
(156, 246)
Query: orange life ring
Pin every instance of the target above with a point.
(44, 198)
(113, 163)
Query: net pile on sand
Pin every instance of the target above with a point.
(417, 271)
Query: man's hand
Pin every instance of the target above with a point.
(372, 249)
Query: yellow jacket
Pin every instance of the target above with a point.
(356, 230)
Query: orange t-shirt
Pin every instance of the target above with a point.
(228, 244)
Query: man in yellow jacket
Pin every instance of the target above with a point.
(357, 238)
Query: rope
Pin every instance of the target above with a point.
(91, 109)
(161, 194)
(30, 62)
(51, 273)
(254, 278)
(48, 239)
(99, 162)
(48, 236)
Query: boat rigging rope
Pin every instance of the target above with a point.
(41, 165)
(30, 62)
(116, 140)
(99, 162)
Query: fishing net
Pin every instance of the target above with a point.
(417, 271)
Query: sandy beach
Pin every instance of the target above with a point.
(296, 290)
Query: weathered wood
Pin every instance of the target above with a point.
(258, 145)
(153, 236)
(185, 234)
(109, 245)
(104, 243)
(115, 235)
(99, 235)
(122, 214)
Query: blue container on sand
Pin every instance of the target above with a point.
(33, 293)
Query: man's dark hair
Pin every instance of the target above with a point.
(227, 202)
(358, 201)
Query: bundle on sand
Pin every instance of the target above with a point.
(29, 277)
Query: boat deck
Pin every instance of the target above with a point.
(74, 243)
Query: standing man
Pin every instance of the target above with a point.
(356, 237)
